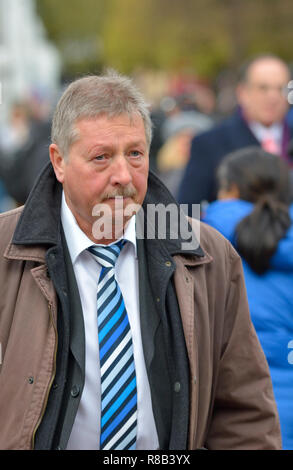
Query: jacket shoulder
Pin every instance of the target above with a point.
(14, 213)
(219, 131)
(8, 222)
(211, 241)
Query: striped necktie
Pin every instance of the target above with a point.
(118, 378)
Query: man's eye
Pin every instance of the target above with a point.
(100, 157)
(135, 153)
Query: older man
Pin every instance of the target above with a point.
(259, 120)
(110, 340)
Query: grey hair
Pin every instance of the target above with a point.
(111, 94)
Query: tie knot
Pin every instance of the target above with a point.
(107, 255)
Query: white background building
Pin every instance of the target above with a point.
(28, 61)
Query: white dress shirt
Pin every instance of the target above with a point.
(86, 428)
(275, 131)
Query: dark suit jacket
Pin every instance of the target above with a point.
(207, 150)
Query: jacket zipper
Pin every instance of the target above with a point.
(51, 381)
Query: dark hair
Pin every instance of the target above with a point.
(263, 179)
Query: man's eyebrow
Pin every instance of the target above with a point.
(106, 145)
(98, 145)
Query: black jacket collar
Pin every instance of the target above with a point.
(41, 219)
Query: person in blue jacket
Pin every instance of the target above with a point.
(254, 213)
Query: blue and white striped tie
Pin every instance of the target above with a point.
(118, 378)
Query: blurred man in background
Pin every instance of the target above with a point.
(259, 120)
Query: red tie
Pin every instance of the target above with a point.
(270, 145)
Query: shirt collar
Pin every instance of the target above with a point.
(78, 241)
(262, 132)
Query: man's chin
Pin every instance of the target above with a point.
(270, 119)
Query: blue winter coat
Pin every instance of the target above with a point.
(270, 298)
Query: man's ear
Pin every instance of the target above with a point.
(57, 161)
(240, 92)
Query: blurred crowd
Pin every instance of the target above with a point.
(182, 106)
(229, 147)
(24, 143)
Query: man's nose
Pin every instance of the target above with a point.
(121, 173)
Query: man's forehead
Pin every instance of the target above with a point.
(266, 69)
(127, 118)
(97, 128)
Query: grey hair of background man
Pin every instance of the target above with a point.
(110, 94)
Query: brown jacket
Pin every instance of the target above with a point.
(231, 399)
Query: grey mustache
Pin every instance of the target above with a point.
(120, 192)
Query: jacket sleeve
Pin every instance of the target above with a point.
(244, 414)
